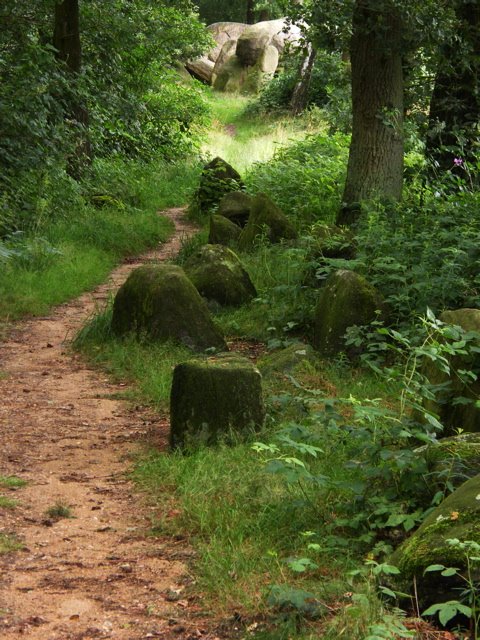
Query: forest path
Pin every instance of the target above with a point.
(95, 574)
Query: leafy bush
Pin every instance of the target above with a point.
(421, 258)
(329, 89)
(306, 179)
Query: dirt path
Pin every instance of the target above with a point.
(95, 575)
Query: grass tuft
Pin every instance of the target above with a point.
(12, 482)
(9, 543)
(7, 503)
(59, 510)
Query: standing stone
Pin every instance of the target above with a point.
(266, 219)
(346, 299)
(457, 517)
(236, 206)
(222, 231)
(454, 415)
(218, 178)
(215, 399)
(160, 303)
(219, 276)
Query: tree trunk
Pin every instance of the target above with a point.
(299, 100)
(455, 103)
(375, 164)
(250, 19)
(66, 40)
(264, 15)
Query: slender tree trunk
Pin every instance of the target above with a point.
(250, 19)
(264, 15)
(455, 103)
(66, 40)
(299, 100)
(375, 165)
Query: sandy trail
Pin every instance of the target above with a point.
(97, 574)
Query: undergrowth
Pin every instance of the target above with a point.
(60, 251)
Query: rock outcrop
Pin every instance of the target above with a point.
(219, 276)
(160, 303)
(215, 399)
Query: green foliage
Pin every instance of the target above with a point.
(63, 251)
(12, 482)
(9, 543)
(59, 510)
(434, 259)
(306, 179)
(329, 90)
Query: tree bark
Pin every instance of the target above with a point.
(375, 165)
(250, 19)
(455, 102)
(66, 40)
(299, 100)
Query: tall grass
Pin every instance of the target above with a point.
(242, 139)
(60, 255)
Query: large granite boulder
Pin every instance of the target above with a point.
(222, 231)
(225, 36)
(345, 300)
(215, 399)
(236, 206)
(227, 52)
(160, 303)
(268, 220)
(453, 414)
(223, 33)
(244, 56)
(456, 518)
(219, 276)
(217, 178)
(254, 40)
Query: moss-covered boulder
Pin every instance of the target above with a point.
(219, 276)
(222, 231)
(345, 300)
(215, 399)
(287, 360)
(453, 414)
(217, 178)
(456, 458)
(457, 517)
(266, 219)
(160, 303)
(236, 206)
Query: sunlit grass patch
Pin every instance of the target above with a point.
(9, 543)
(7, 503)
(9, 482)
